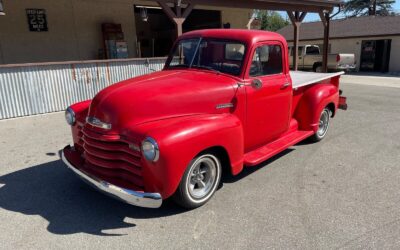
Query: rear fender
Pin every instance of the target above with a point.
(181, 139)
(313, 101)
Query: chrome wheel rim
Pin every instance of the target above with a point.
(323, 123)
(318, 69)
(202, 177)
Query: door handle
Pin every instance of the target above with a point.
(285, 85)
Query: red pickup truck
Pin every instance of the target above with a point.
(225, 100)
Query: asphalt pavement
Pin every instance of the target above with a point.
(340, 193)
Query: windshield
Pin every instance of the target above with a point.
(211, 54)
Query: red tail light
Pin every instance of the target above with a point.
(337, 58)
(342, 103)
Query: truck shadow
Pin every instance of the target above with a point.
(250, 170)
(69, 205)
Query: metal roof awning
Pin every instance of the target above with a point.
(348, 28)
(283, 5)
(296, 10)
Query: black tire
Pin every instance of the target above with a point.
(317, 67)
(204, 171)
(324, 121)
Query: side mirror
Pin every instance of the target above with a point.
(256, 83)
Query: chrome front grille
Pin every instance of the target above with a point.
(80, 135)
(109, 157)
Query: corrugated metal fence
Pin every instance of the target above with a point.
(30, 89)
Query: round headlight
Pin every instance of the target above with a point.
(150, 149)
(70, 116)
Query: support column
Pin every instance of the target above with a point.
(250, 23)
(325, 18)
(296, 18)
(179, 26)
(177, 17)
(296, 37)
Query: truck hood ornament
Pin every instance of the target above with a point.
(97, 123)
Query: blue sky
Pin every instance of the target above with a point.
(315, 17)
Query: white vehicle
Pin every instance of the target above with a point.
(310, 58)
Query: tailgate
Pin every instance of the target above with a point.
(346, 59)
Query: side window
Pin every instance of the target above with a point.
(312, 50)
(267, 60)
(299, 50)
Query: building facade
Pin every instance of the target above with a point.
(374, 40)
(70, 30)
(56, 52)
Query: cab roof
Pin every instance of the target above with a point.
(248, 37)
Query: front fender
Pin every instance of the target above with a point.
(81, 110)
(181, 139)
(313, 101)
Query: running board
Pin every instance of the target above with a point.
(264, 153)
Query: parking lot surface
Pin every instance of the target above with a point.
(340, 193)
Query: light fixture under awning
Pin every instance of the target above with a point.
(145, 7)
(2, 13)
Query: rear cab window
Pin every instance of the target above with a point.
(267, 60)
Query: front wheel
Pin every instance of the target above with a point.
(323, 127)
(199, 182)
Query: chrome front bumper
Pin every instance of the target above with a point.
(149, 200)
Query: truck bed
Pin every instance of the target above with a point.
(301, 78)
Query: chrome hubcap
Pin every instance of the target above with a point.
(202, 177)
(323, 123)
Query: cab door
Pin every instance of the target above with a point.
(269, 95)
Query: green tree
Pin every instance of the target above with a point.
(353, 8)
(271, 20)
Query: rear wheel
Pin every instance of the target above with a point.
(323, 125)
(317, 68)
(199, 182)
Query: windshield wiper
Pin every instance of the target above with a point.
(206, 67)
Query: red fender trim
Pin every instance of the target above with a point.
(182, 139)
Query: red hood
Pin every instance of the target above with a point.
(161, 95)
